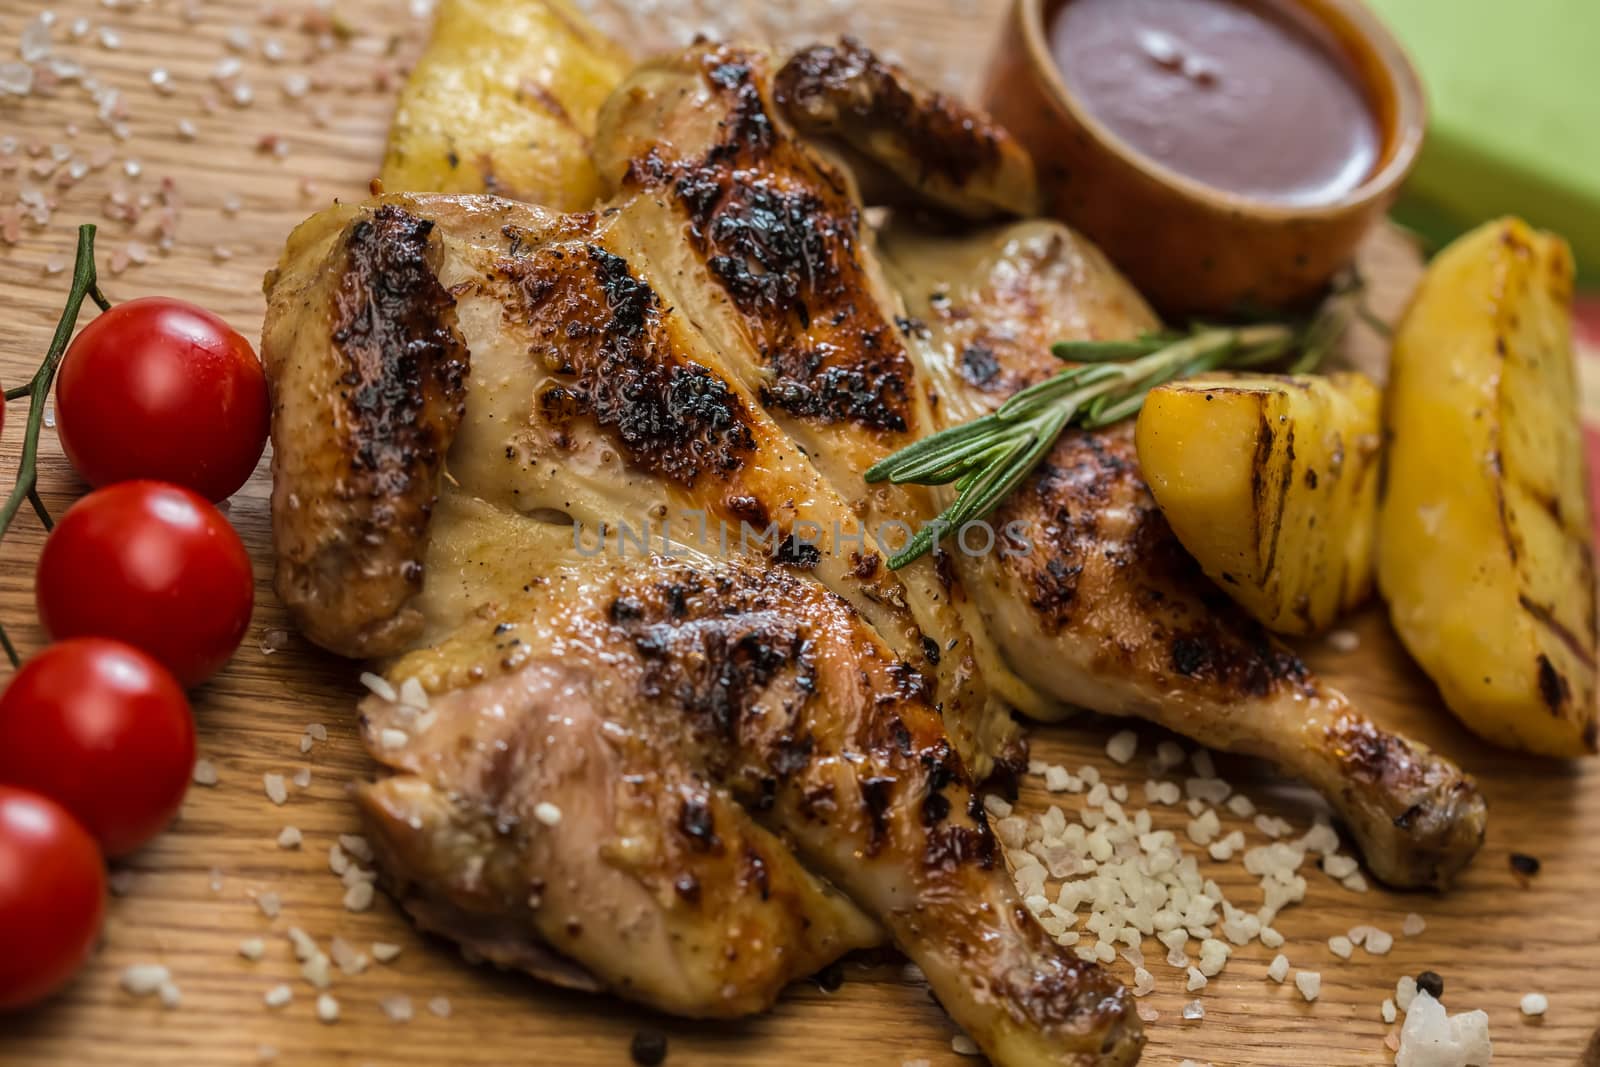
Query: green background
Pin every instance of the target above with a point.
(1514, 87)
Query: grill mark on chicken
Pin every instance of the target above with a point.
(376, 400)
(396, 330)
(824, 87)
(602, 334)
(926, 143)
(1068, 501)
(781, 236)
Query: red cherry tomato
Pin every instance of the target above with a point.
(153, 565)
(103, 730)
(52, 896)
(158, 388)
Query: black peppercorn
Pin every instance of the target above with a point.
(1525, 864)
(649, 1048)
(1430, 983)
(830, 978)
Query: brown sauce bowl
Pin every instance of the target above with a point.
(1194, 249)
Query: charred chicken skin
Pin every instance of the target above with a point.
(689, 767)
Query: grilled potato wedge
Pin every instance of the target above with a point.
(1270, 482)
(503, 100)
(1485, 539)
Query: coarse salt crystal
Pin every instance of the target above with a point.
(1241, 806)
(413, 695)
(346, 957)
(1270, 938)
(277, 792)
(1203, 764)
(1321, 838)
(302, 778)
(1355, 883)
(1194, 1010)
(205, 772)
(1144, 983)
(327, 1008)
(289, 837)
(252, 948)
(397, 1008)
(171, 996)
(547, 813)
(1338, 866)
(142, 979)
(1057, 780)
(440, 1006)
(962, 1045)
(1168, 755)
(1535, 1004)
(384, 951)
(1344, 640)
(304, 945)
(1405, 991)
(1379, 942)
(278, 996)
(1387, 1010)
(1196, 980)
(381, 688)
(1433, 1038)
(1122, 746)
(1309, 983)
(1413, 925)
(315, 970)
(357, 846)
(269, 904)
(391, 738)
(1341, 947)
(358, 897)
(1278, 969)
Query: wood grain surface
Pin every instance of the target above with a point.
(191, 896)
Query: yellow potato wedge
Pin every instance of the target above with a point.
(503, 100)
(1485, 537)
(1270, 482)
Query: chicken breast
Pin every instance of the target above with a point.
(637, 764)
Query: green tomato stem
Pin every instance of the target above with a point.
(85, 284)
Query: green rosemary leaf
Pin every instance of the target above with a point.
(1105, 351)
(987, 458)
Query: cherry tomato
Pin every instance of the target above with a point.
(158, 388)
(103, 730)
(153, 565)
(52, 896)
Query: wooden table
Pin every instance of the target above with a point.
(189, 898)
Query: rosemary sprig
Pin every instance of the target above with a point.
(990, 456)
(85, 284)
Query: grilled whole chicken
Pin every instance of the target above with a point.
(524, 453)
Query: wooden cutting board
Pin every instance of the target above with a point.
(190, 897)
